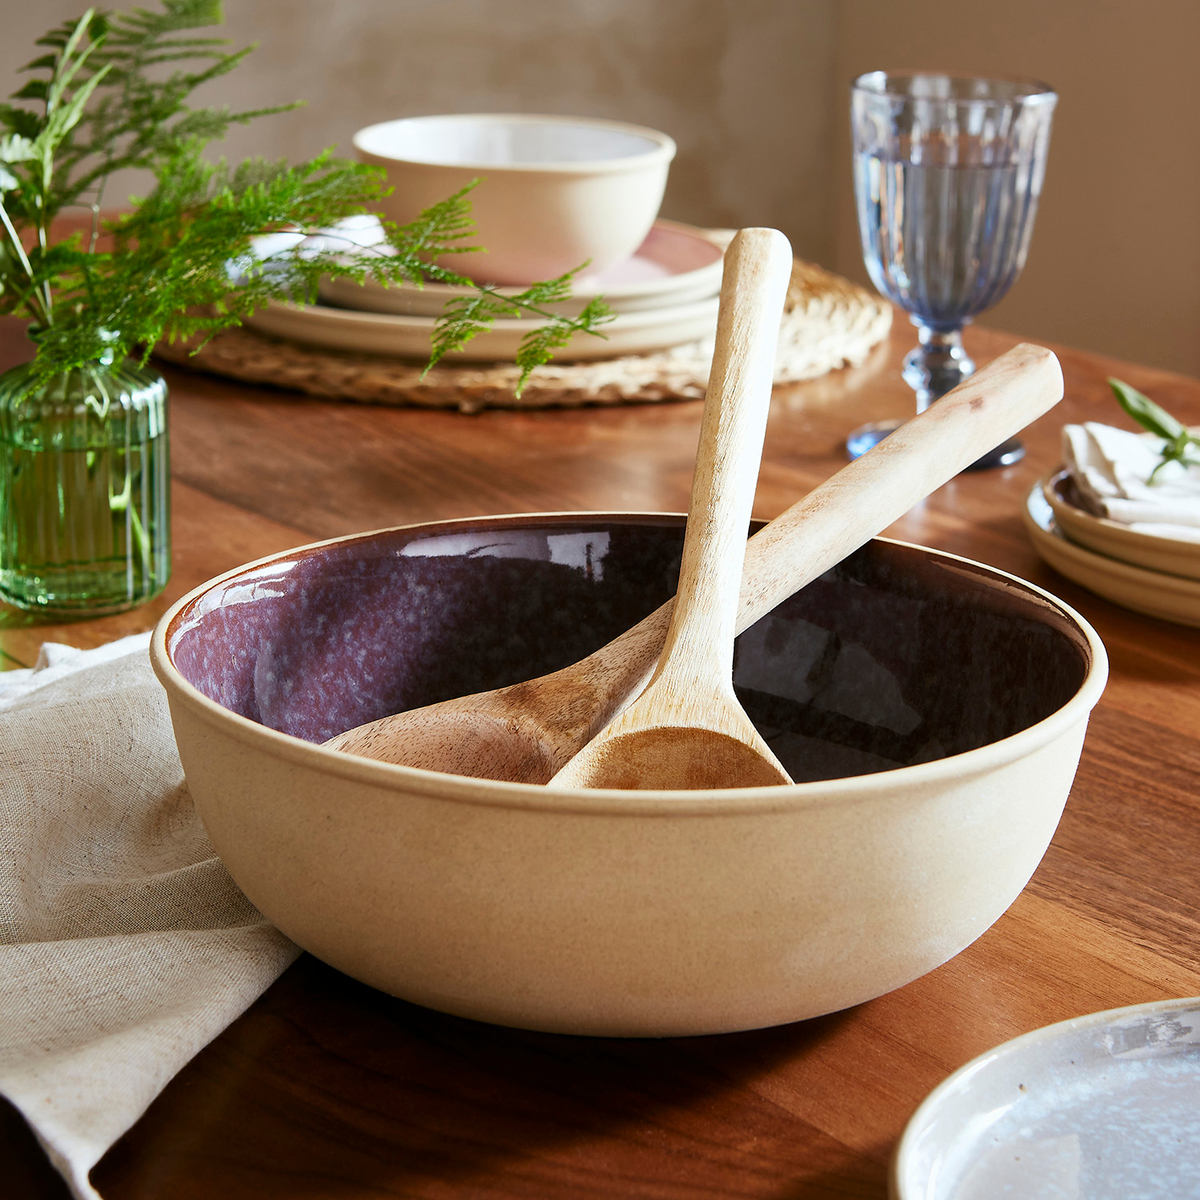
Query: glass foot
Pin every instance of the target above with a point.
(866, 437)
(1004, 455)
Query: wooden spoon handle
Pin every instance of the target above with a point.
(867, 495)
(835, 518)
(758, 267)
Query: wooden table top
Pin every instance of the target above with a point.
(326, 1088)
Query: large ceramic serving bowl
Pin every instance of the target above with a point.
(552, 192)
(931, 709)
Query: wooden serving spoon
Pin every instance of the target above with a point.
(687, 729)
(527, 731)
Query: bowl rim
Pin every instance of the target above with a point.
(661, 151)
(494, 793)
(892, 83)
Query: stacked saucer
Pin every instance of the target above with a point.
(1146, 568)
(665, 295)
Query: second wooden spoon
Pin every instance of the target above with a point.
(687, 729)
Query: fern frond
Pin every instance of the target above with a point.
(112, 94)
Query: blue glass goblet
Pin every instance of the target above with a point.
(947, 175)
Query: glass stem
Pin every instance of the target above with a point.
(937, 365)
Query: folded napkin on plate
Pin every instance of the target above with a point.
(352, 235)
(1111, 468)
(124, 945)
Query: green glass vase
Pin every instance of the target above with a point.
(85, 522)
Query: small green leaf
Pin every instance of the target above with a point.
(67, 67)
(77, 35)
(64, 119)
(194, 14)
(595, 313)
(1178, 442)
(34, 89)
(1145, 412)
(19, 120)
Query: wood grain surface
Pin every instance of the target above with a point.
(325, 1088)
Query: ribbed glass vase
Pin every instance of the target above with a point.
(85, 523)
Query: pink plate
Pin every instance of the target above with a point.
(670, 252)
(676, 264)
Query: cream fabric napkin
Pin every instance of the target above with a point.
(124, 945)
(1111, 468)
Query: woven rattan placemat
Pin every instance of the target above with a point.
(828, 322)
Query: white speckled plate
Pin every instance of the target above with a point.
(1155, 593)
(1102, 1107)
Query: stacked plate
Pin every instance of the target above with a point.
(1156, 575)
(665, 295)
(1101, 1107)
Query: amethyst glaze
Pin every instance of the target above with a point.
(894, 657)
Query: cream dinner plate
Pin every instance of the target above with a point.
(1155, 593)
(677, 264)
(1175, 556)
(409, 337)
(1102, 1107)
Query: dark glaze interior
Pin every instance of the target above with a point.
(894, 657)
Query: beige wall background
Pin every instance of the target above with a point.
(755, 94)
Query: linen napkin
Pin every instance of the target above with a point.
(125, 947)
(1111, 470)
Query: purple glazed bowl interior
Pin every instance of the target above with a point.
(893, 658)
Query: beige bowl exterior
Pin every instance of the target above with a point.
(627, 913)
(536, 220)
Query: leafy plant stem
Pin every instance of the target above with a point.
(95, 235)
(42, 311)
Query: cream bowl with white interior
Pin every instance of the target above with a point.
(931, 710)
(553, 192)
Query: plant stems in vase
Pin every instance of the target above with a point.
(84, 488)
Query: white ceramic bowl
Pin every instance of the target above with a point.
(934, 707)
(554, 192)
